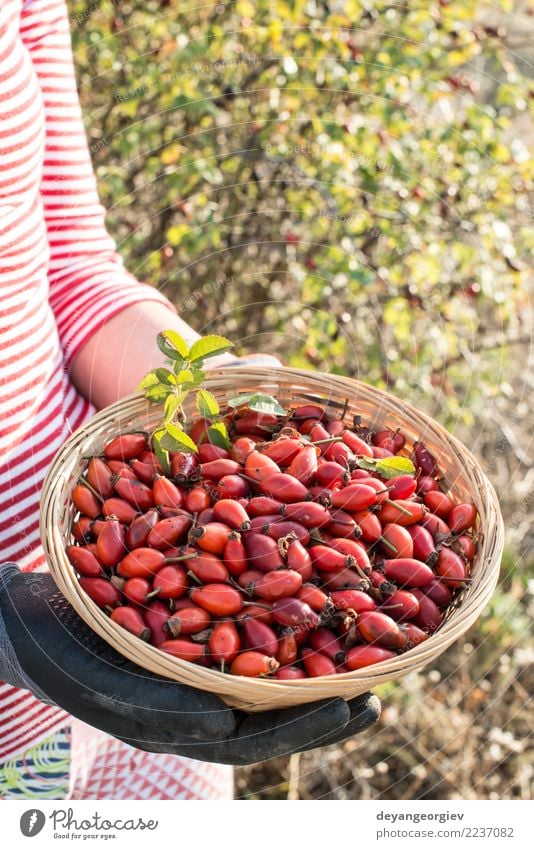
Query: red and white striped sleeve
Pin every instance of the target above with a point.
(88, 283)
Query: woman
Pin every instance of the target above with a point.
(77, 333)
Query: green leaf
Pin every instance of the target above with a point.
(181, 440)
(160, 452)
(158, 393)
(169, 350)
(173, 403)
(207, 404)
(393, 467)
(240, 400)
(185, 376)
(218, 435)
(149, 380)
(177, 342)
(259, 403)
(209, 346)
(165, 376)
(388, 467)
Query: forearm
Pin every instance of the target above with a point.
(116, 357)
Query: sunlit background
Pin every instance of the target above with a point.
(350, 185)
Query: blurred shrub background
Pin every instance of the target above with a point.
(350, 185)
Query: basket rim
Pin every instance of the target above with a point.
(456, 624)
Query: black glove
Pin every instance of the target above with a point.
(64, 659)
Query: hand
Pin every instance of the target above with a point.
(75, 669)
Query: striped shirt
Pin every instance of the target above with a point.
(60, 280)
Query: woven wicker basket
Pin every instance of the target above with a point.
(463, 475)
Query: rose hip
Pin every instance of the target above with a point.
(119, 509)
(131, 619)
(369, 525)
(402, 487)
(110, 544)
(438, 592)
(217, 469)
(259, 467)
(308, 513)
(232, 486)
(207, 567)
(396, 541)
(314, 596)
(218, 599)
(138, 494)
(166, 493)
(99, 476)
(424, 459)
(187, 620)
(423, 544)
(136, 590)
(140, 563)
(263, 552)
(290, 673)
(102, 592)
(253, 664)
(283, 487)
(184, 649)
(170, 582)
(169, 531)
(145, 472)
(235, 557)
(298, 559)
(280, 529)
(429, 616)
(317, 664)
(126, 446)
(408, 572)
(402, 512)
(353, 600)
(197, 499)
(211, 537)
(278, 584)
(438, 503)
(155, 616)
(361, 656)
(85, 501)
(451, 568)
(376, 627)
(259, 637)
(288, 649)
(84, 561)
(355, 496)
(293, 611)
(82, 530)
(262, 505)
(425, 484)
(402, 605)
(138, 531)
(324, 641)
(232, 514)
(462, 517)
(224, 643)
(184, 466)
(304, 465)
(413, 634)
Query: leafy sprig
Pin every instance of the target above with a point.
(171, 386)
(388, 467)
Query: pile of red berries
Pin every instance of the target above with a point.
(301, 550)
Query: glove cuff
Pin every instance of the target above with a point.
(10, 669)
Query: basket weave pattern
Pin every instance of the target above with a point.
(463, 477)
